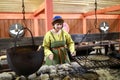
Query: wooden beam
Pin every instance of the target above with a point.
(102, 16)
(101, 11)
(36, 30)
(40, 9)
(8, 15)
(84, 26)
(48, 14)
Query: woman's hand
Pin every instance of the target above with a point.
(51, 56)
(73, 53)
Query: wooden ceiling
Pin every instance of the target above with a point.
(16, 5)
(62, 6)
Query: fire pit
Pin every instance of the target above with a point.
(96, 61)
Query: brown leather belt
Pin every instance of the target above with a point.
(59, 54)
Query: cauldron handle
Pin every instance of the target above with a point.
(33, 43)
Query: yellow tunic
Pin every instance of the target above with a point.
(48, 38)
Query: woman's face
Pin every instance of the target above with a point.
(58, 26)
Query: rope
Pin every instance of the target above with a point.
(95, 23)
(23, 12)
(23, 9)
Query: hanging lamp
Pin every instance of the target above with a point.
(104, 27)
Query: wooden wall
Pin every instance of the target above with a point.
(6, 23)
(75, 23)
(114, 25)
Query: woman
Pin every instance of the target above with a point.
(56, 42)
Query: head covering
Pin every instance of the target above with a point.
(57, 19)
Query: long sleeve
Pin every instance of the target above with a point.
(46, 44)
(70, 43)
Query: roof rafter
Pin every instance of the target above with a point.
(40, 9)
(101, 11)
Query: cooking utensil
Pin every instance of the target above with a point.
(25, 60)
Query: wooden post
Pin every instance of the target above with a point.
(48, 14)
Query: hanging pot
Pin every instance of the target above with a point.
(25, 60)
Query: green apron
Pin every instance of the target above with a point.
(59, 51)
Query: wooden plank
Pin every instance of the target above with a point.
(40, 9)
(6, 43)
(102, 11)
(77, 38)
(48, 14)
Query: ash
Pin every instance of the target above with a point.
(68, 71)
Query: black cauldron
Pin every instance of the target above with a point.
(25, 60)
